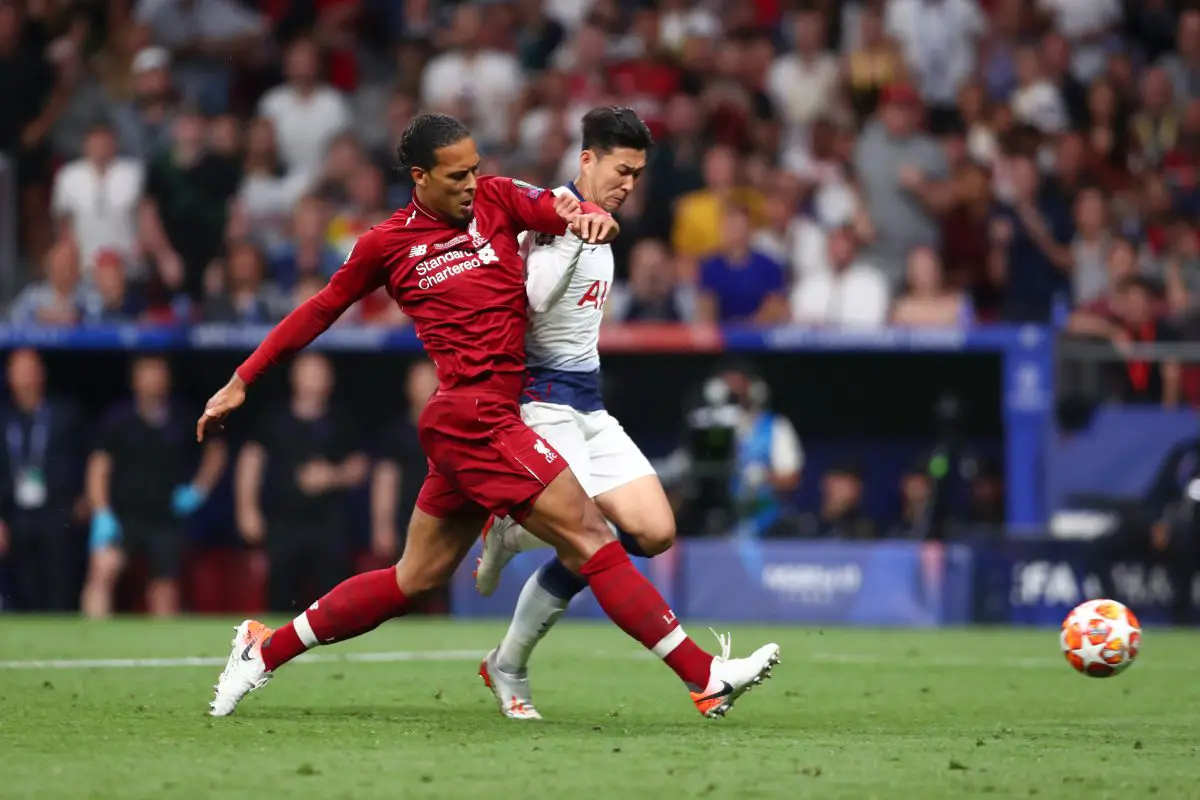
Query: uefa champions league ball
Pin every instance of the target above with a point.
(1101, 638)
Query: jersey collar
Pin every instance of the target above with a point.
(575, 191)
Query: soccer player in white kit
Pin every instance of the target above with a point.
(568, 283)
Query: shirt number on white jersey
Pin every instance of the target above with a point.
(487, 255)
(595, 295)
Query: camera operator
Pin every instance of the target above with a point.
(742, 460)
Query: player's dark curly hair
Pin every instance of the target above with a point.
(609, 127)
(424, 136)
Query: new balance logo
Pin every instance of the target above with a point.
(669, 617)
(418, 250)
(545, 450)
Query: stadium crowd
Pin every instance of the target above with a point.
(918, 162)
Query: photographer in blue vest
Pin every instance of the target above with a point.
(744, 459)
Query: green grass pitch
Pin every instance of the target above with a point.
(401, 713)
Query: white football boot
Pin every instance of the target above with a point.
(730, 678)
(245, 670)
(502, 540)
(511, 691)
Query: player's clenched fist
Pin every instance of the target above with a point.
(227, 398)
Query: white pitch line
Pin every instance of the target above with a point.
(311, 658)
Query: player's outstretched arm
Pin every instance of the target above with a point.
(534, 209)
(361, 274)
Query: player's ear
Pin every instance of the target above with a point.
(586, 158)
(418, 175)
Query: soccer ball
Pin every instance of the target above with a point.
(1101, 638)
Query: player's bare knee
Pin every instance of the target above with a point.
(416, 580)
(656, 537)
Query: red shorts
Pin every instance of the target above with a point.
(482, 455)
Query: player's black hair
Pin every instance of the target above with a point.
(609, 127)
(424, 136)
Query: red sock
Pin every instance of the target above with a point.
(352, 608)
(637, 608)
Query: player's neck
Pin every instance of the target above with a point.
(585, 190)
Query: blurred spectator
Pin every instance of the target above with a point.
(61, 298)
(85, 100)
(927, 301)
(307, 114)
(263, 208)
(538, 36)
(674, 166)
(225, 136)
(183, 216)
(651, 294)
(874, 62)
(1184, 65)
(366, 206)
(985, 504)
(1090, 248)
(905, 181)
(852, 293)
(1108, 140)
(916, 490)
(95, 200)
(1181, 268)
(939, 40)
(474, 78)
(400, 467)
(33, 94)
(1030, 238)
(343, 161)
(40, 480)
(244, 297)
(841, 515)
(308, 252)
(141, 486)
(290, 488)
(117, 300)
(1156, 125)
(697, 231)
(1157, 382)
(145, 120)
(965, 238)
(1037, 101)
(802, 83)
(1086, 24)
(739, 284)
(209, 36)
(1056, 68)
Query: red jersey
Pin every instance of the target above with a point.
(463, 287)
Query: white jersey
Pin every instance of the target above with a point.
(568, 283)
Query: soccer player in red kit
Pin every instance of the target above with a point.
(450, 260)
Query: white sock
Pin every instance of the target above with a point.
(537, 611)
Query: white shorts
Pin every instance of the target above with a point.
(596, 447)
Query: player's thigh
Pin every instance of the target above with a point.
(560, 427)
(435, 546)
(628, 491)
